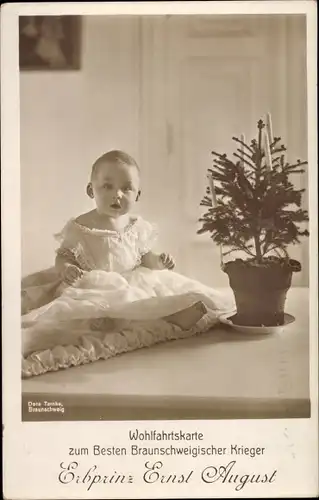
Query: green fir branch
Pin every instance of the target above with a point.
(253, 211)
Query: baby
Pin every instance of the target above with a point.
(108, 271)
(115, 188)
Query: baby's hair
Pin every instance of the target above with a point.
(116, 157)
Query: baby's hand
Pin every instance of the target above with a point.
(71, 273)
(167, 261)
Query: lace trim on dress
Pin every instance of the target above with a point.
(140, 234)
(67, 253)
(76, 255)
(104, 232)
(149, 230)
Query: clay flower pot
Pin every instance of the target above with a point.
(260, 290)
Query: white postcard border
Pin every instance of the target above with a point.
(34, 451)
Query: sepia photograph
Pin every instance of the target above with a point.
(164, 217)
(159, 238)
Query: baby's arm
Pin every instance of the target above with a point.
(152, 260)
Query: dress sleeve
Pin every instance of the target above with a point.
(68, 242)
(147, 237)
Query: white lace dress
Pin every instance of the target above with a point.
(114, 285)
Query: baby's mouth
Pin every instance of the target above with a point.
(116, 205)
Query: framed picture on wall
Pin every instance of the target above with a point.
(49, 43)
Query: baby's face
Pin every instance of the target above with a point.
(115, 188)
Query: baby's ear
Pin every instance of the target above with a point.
(89, 190)
(138, 195)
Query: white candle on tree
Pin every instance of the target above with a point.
(212, 190)
(214, 205)
(269, 128)
(242, 148)
(267, 150)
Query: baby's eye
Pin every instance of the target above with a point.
(108, 185)
(127, 189)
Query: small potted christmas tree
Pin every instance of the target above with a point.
(253, 206)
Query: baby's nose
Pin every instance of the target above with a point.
(118, 193)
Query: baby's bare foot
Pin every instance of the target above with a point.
(188, 317)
